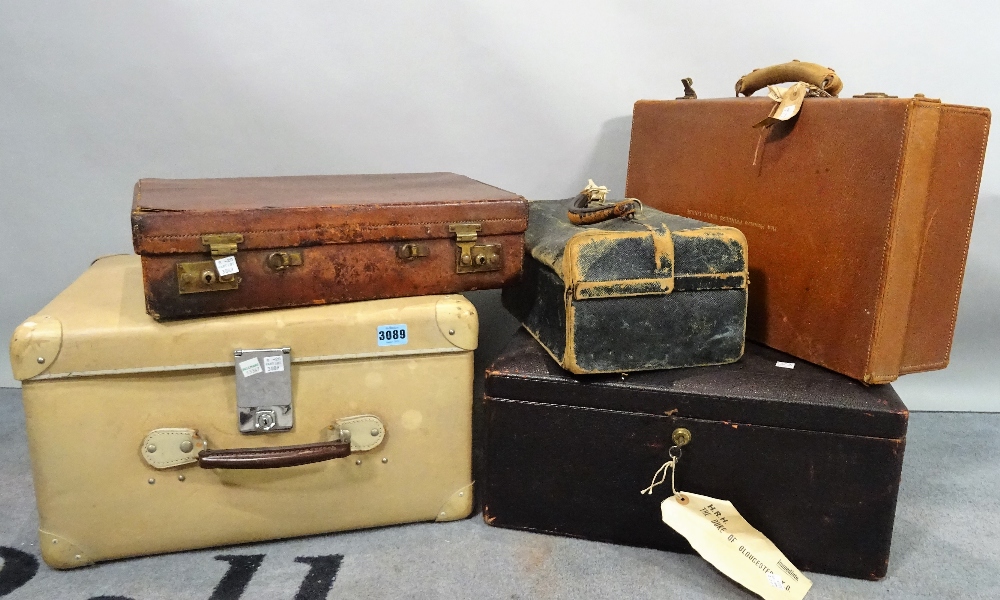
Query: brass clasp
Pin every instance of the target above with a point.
(279, 261)
(471, 257)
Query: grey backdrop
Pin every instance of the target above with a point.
(534, 97)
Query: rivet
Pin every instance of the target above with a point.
(460, 494)
(180, 478)
(186, 446)
(375, 432)
(151, 481)
(451, 332)
(357, 462)
(151, 448)
(41, 360)
(385, 460)
(55, 541)
(78, 557)
(442, 513)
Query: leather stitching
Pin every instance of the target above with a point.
(324, 229)
(968, 231)
(885, 247)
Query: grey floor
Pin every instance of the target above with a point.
(946, 545)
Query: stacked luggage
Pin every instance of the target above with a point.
(164, 415)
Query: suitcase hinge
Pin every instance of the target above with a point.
(471, 257)
(222, 244)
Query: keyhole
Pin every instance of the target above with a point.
(208, 277)
(480, 259)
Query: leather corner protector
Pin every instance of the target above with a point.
(172, 447)
(362, 428)
(35, 346)
(458, 506)
(60, 553)
(458, 321)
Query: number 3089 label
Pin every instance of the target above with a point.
(392, 335)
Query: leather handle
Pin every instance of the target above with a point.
(273, 458)
(822, 77)
(580, 213)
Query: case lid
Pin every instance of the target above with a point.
(171, 215)
(653, 253)
(99, 326)
(751, 391)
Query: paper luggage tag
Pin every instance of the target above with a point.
(717, 531)
(789, 103)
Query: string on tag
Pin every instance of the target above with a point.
(661, 474)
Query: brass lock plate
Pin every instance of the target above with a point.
(201, 276)
(478, 258)
(471, 257)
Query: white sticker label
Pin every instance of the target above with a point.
(775, 581)
(250, 367)
(784, 365)
(392, 335)
(273, 364)
(226, 266)
(787, 112)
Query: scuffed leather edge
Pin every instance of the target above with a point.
(987, 115)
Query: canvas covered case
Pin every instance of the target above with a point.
(212, 246)
(810, 458)
(652, 292)
(151, 437)
(857, 211)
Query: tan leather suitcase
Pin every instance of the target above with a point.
(213, 246)
(151, 437)
(857, 213)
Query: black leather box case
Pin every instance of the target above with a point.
(809, 457)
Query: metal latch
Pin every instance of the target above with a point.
(874, 95)
(279, 261)
(264, 390)
(410, 251)
(222, 244)
(204, 275)
(471, 257)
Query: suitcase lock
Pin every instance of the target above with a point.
(471, 257)
(264, 390)
(206, 275)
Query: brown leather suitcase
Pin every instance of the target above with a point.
(212, 246)
(857, 213)
(810, 458)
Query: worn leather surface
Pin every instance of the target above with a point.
(120, 375)
(348, 229)
(857, 214)
(656, 291)
(809, 457)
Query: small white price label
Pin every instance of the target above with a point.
(226, 266)
(775, 581)
(784, 365)
(273, 364)
(250, 367)
(392, 335)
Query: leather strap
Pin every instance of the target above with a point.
(581, 211)
(581, 214)
(822, 77)
(273, 458)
